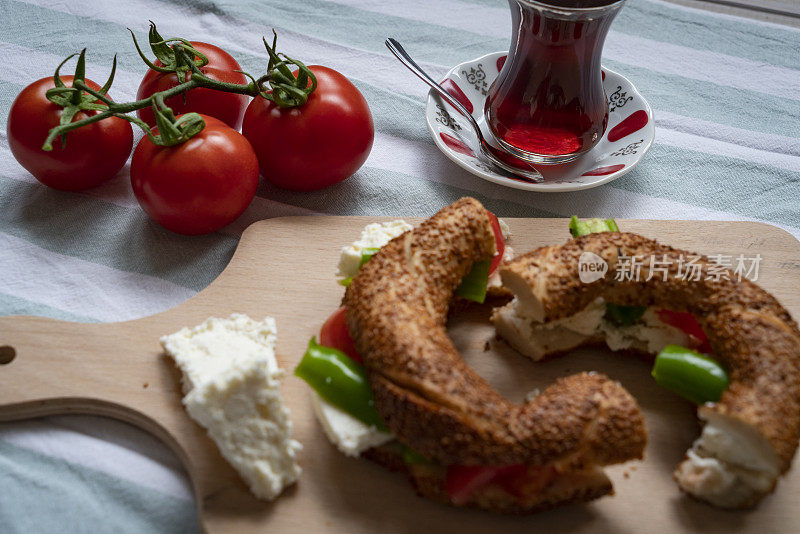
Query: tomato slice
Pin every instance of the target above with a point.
(521, 480)
(462, 481)
(687, 323)
(499, 242)
(334, 334)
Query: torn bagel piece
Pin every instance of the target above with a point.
(464, 444)
(751, 432)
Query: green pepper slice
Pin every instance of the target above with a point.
(623, 315)
(366, 255)
(691, 375)
(340, 381)
(473, 286)
(591, 226)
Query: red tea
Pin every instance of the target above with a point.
(549, 100)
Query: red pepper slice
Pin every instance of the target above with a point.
(334, 334)
(688, 324)
(499, 242)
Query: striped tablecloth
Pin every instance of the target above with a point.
(726, 95)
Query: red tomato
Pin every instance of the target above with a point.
(499, 242)
(227, 107)
(199, 186)
(93, 153)
(334, 334)
(687, 323)
(314, 145)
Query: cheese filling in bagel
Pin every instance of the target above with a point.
(589, 326)
(730, 465)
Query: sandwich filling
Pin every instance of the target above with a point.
(591, 325)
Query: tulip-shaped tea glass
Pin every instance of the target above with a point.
(548, 105)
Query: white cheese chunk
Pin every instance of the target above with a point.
(504, 229)
(374, 235)
(207, 350)
(348, 434)
(231, 382)
(730, 465)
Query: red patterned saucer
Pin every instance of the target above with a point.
(627, 138)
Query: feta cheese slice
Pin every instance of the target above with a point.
(351, 436)
(504, 229)
(373, 235)
(231, 383)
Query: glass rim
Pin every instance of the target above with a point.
(571, 10)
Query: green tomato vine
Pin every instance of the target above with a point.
(279, 84)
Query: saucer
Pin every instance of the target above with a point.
(627, 138)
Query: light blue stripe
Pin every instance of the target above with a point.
(739, 108)
(382, 192)
(362, 29)
(8, 92)
(107, 234)
(720, 183)
(11, 305)
(66, 34)
(695, 29)
(41, 494)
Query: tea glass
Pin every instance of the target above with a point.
(547, 105)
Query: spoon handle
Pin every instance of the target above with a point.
(529, 174)
(401, 54)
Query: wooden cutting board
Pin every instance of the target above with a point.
(285, 268)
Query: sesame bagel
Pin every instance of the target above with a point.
(751, 434)
(435, 404)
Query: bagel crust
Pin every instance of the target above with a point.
(750, 333)
(435, 404)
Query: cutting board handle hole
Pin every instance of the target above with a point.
(7, 354)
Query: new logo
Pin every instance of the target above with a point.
(591, 267)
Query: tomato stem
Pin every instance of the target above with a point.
(174, 54)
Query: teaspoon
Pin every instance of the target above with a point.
(531, 174)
